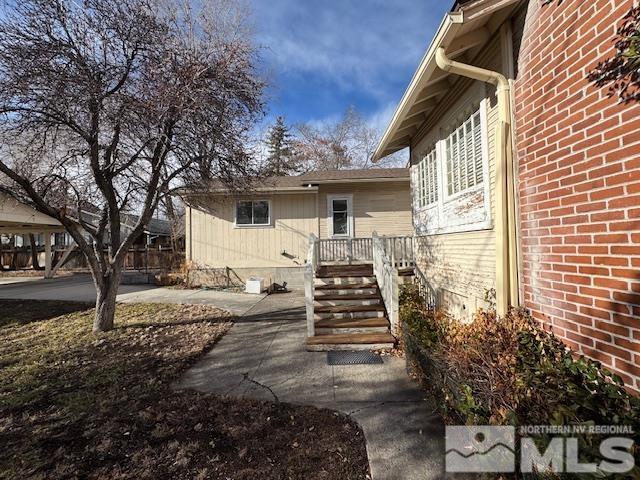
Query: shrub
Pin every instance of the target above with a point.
(509, 371)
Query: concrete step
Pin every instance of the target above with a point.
(350, 341)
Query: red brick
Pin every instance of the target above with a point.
(611, 238)
(612, 350)
(592, 333)
(612, 328)
(628, 367)
(578, 151)
(594, 312)
(610, 283)
(627, 297)
(606, 193)
(579, 279)
(589, 270)
(628, 344)
(613, 261)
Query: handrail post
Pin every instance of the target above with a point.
(393, 252)
(309, 275)
(308, 296)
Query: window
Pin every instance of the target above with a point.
(449, 191)
(428, 179)
(464, 155)
(253, 212)
(340, 217)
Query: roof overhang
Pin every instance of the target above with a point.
(253, 191)
(16, 217)
(306, 186)
(360, 180)
(463, 33)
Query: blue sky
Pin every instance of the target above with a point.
(323, 55)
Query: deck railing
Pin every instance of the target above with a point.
(309, 275)
(360, 249)
(425, 289)
(345, 250)
(399, 250)
(387, 277)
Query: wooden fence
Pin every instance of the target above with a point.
(141, 259)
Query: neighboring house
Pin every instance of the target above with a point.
(156, 233)
(265, 232)
(529, 189)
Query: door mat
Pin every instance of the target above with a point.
(353, 358)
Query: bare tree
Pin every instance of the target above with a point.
(116, 103)
(346, 143)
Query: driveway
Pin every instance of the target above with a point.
(263, 357)
(80, 288)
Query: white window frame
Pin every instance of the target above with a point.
(434, 214)
(430, 156)
(350, 227)
(445, 167)
(252, 225)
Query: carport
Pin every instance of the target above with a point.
(20, 219)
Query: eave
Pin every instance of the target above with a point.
(463, 33)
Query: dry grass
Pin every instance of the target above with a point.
(78, 405)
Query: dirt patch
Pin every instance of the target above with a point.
(78, 405)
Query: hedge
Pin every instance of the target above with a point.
(509, 371)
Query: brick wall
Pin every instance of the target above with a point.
(579, 185)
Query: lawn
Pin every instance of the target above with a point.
(78, 405)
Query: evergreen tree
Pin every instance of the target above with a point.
(281, 159)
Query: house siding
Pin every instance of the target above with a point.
(213, 240)
(383, 207)
(461, 267)
(579, 185)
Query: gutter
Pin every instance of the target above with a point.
(507, 282)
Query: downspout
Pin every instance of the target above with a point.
(507, 291)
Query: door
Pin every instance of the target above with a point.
(340, 221)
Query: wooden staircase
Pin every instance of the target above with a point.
(349, 313)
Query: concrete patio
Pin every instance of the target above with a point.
(80, 288)
(263, 357)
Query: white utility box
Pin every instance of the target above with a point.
(255, 285)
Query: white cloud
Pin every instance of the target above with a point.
(356, 44)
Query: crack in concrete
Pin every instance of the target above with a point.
(246, 377)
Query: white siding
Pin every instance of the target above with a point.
(461, 266)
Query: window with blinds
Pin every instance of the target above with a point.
(464, 155)
(428, 179)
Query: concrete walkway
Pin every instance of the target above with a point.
(80, 288)
(405, 440)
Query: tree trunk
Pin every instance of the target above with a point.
(35, 262)
(106, 290)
